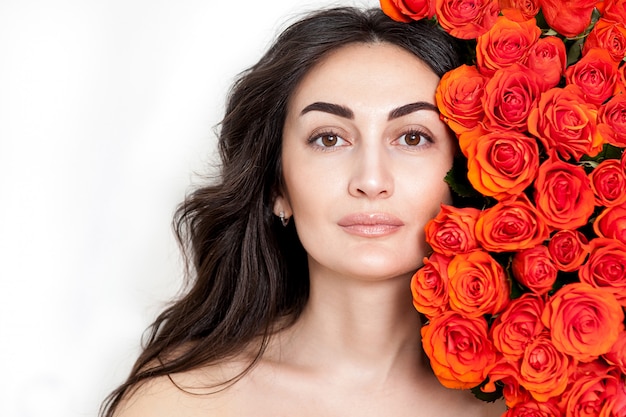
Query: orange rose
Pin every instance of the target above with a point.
(593, 391)
(509, 96)
(506, 43)
(608, 182)
(568, 17)
(519, 10)
(407, 10)
(566, 123)
(617, 355)
(470, 137)
(502, 164)
(606, 267)
(568, 249)
(466, 19)
(611, 223)
(512, 224)
(534, 269)
(619, 88)
(584, 321)
(544, 369)
(452, 230)
(563, 194)
(459, 350)
(596, 74)
(459, 98)
(615, 11)
(547, 58)
(517, 325)
(506, 373)
(534, 409)
(619, 404)
(612, 121)
(478, 284)
(429, 286)
(607, 35)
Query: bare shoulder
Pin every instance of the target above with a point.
(189, 394)
(480, 408)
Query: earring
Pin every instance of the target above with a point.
(283, 220)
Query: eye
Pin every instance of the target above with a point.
(328, 140)
(414, 138)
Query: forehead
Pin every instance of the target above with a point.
(376, 73)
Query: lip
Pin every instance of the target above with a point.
(370, 224)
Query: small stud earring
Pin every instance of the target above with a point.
(283, 220)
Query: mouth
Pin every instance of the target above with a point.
(370, 224)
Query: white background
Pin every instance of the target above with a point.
(107, 111)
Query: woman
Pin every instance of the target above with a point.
(301, 255)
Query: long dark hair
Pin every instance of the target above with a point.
(246, 272)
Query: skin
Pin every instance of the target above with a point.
(360, 185)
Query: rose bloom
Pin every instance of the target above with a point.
(534, 269)
(534, 408)
(614, 10)
(608, 182)
(506, 43)
(611, 223)
(429, 286)
(517, 325)
(563, 194)
(568, 249)
(407, 10)
(544, 369)
(617, 355)
(466, 19)
(502, 164)
(510, 94)
(471, 137)
(594, 390)
(506, 373)
(452, 230)
(547, 58)
(459, 98)
(519, 10)
(584, 321)
(612, 121)
(596, 74)
(459, 350)
(478, 284)
(564, 122)
(512, 224)
(607, 35)
(619, 404)
(606, 267)
(568, 17)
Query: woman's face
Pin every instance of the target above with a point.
(364, 157)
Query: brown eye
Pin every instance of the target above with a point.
(328, 140)
(414, 139)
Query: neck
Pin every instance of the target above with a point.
(355, 325)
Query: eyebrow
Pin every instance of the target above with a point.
(345, 112)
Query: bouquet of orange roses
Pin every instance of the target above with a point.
(525, 290)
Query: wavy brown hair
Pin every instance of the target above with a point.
(245, 271)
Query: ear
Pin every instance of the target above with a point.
(281, 204)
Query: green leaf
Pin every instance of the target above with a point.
(457, 178)
(488, 396)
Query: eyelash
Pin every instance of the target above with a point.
(318, 135)
(418, 133)
(411, 132)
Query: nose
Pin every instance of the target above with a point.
(372, 175)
